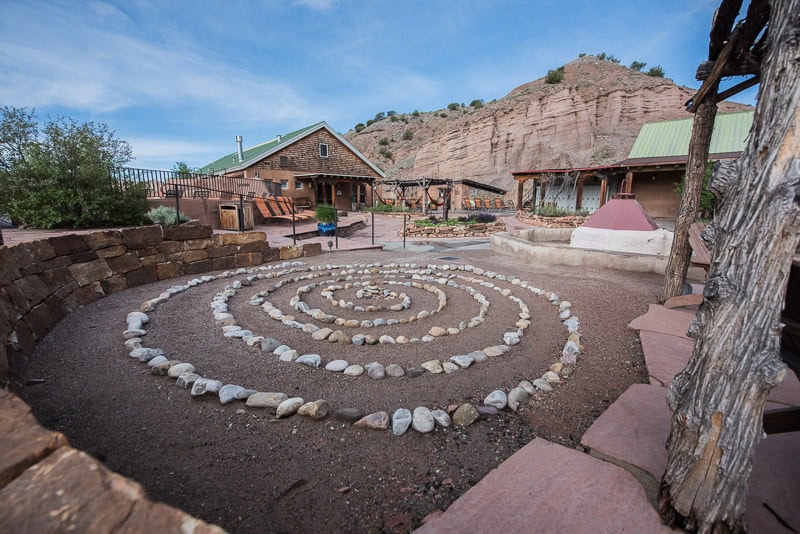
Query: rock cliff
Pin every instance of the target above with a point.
(592, 117)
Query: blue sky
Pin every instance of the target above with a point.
(178, 80)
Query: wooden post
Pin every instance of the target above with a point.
(628, 182)
(718, 400)
(333, 194)
(579, 194)
(680, 255)
(358, 195)
(542, 193)
(603, 191)
(520, 187)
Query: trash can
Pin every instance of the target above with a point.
(229, 217)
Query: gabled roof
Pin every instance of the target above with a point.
(230, 162)
(671, 138)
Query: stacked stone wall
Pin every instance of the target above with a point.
(460, 230)
(43, 281)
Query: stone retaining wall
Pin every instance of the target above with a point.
(40, 283)
(570, 221)
(460, 230)
(43, 281)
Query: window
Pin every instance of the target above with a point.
(255, 174)
(284, 184)
(284, 161)
(323, 150)
(298, 185)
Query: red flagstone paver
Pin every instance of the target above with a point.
(673, 321)
(665, 355)
(545, 487)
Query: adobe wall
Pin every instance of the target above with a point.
(40, 283)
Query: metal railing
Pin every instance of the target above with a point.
(168, 184)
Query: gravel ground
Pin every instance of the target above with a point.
(245, 470)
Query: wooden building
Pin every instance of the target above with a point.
(313, 165)
(652, 171)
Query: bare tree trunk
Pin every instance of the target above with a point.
(680, 255)
(718, 400)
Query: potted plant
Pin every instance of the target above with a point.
(326, 219)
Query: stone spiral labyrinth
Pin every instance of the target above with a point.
(362, 323)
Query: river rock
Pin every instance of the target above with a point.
(516, 397)
(354, 370)
(465, 415)
(231, 392)
(376, 371)
(441, 417)
(462, 360)
(202, 386)
(386, 340)
(375, 421)
(321, 334)
(450, 367)
(280, 349)
(358, 339)
(528, 387)
(348, 414)
(337, 366)
(541, 384)
(401, 420)
(289, 355)
(158, 360)
(312, 360)
(437, 331)
(265, 400)
(268, 344)
(551, 377)
(317, 409)
(177, 369)
(496, 398)
(487, 411)
(511, 338)
(186, 380)
(394, 370)
(433, 366)
(423, 420)
(289, 407)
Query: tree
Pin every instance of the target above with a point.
(718, 401)
(656, 72)
(58, 175)
(554, 75)
(182, 169)
(637, 65)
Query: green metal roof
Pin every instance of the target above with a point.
(671, 138)
(231, 161)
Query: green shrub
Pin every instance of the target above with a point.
(380, 116)
(551, 210)
(408, 135)
(657, 71)
(359, 127)
(415, 113)
(385, 152)
(554, 75)
(477, 103)
(325, 213)
(637, 65)
(443, 115)
(452, 106)
(384, 141)
(484, 217)
(164, 215)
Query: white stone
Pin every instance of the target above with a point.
(289, 407)
(202, 386)
(423, 420)
(289, 355)
(312, 360)
(462, 360)
(401, 420)
(354, 370)
(496, 398)
(337, 366)
(231, 392)
(516, 397)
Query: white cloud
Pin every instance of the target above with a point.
(95, 68)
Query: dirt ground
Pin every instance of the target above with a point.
(245, 470)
